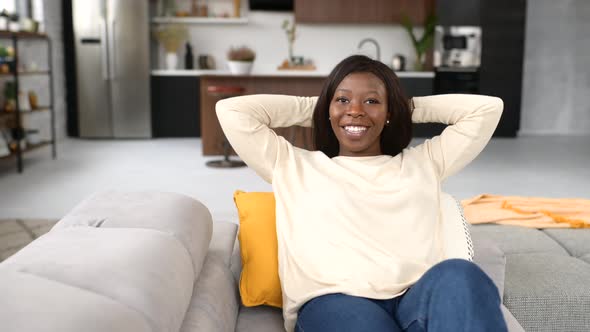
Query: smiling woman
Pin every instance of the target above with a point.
(362, 111)
(358, 218)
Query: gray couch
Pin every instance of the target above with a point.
(156, 262)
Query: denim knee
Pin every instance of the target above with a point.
(461, 271)
(339, 312)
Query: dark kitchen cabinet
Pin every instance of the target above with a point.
(503, 38)
(458, 12)
(367, 11)
(175, 106)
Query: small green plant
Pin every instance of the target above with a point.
(242, 53)
(422, 45)
(171, 37)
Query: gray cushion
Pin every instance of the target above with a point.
(575, 241)
(254, 319)
(215, 303)
(260, 319)
(515, 239)
(223, 241)
(548, 292)
(511, 323)
(489, 257)
(236, 261)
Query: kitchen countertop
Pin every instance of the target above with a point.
(277, 73)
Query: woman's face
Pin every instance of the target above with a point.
(358, 112)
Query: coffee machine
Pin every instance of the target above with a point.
(457, 57)
(457, 46)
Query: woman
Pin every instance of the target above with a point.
(357, 218)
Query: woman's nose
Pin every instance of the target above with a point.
(355, 110)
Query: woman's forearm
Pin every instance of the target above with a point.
(472, 120)
(452, 108)
(273, 110)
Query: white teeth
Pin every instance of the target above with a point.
(355, 129)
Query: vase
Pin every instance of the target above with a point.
(240, 67)
(171, 60)
(419, 64)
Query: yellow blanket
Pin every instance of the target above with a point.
(534, 212)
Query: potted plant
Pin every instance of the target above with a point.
(240, 60)
(424, 43)
(171, 37)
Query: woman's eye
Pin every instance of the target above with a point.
(341, 100)
(372, 101)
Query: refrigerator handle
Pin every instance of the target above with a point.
(104, 49)
(113, 57)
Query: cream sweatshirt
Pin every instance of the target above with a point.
(363, 226)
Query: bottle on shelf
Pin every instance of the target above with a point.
(189, 57)
(204, 8)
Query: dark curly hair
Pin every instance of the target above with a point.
(395, 136)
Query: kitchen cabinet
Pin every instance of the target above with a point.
(503, 24)
(367, 11)
(175, 106)
(502, 58)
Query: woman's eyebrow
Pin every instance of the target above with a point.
(370, 91)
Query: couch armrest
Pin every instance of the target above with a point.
(32, 303)
(146, 271)
(183, 217)
(142, 250)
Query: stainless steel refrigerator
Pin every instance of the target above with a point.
(111, 40)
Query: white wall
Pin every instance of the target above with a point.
(556, 80)
(325, 44)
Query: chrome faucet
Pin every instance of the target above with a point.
(371, 40)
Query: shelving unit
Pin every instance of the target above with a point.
(17, 130)
(200, 20)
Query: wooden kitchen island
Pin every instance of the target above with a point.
(299, 84)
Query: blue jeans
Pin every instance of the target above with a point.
(453, 295)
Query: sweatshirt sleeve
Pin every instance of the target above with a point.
(472, 120)
(247, 122)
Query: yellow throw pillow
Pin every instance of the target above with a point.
(259, 280)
